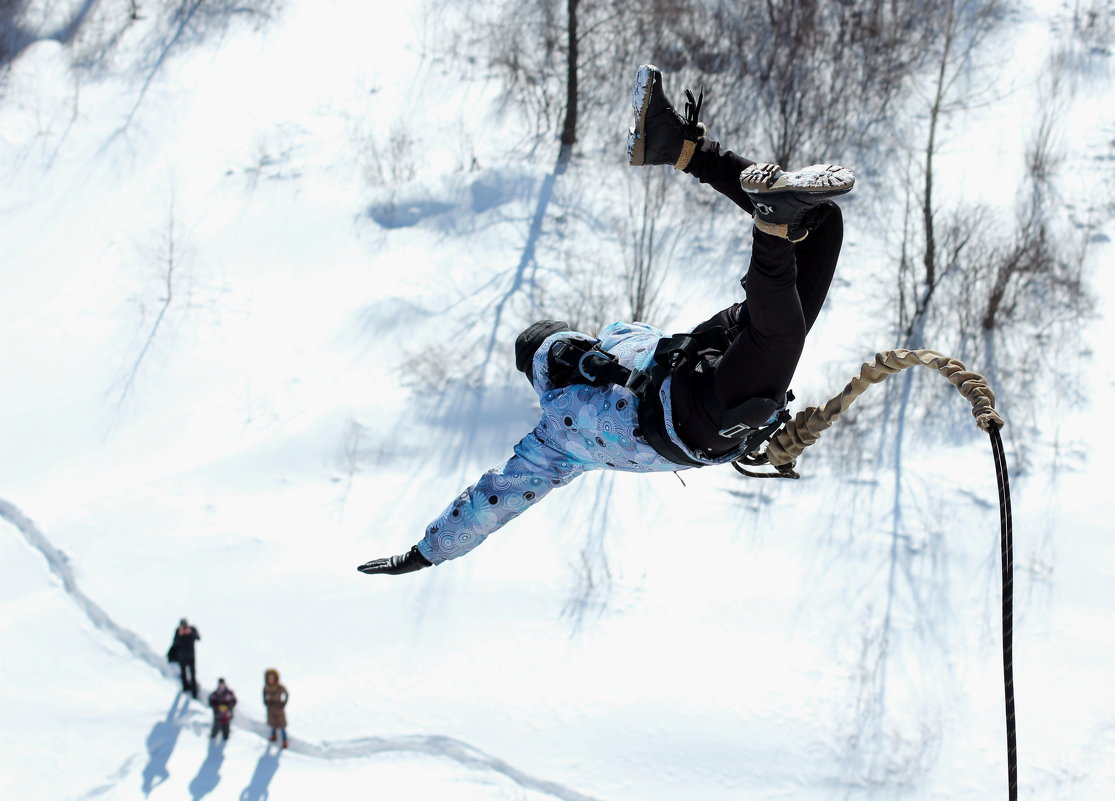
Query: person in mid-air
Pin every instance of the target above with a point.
(636, 399)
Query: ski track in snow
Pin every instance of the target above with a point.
(430, 745)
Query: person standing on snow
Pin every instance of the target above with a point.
(275, 697)
(222, 700)
(182, 652)
(636, 399)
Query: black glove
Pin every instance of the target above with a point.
(396, 565)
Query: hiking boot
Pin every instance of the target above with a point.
(787, 204)
(660, 135)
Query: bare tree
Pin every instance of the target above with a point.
(168, 258)
(1002, 292)
(980, 284)
(652, 230)
(569, 127)
(803, 83)
(1094, 23)
(965, 25)
(352, 443)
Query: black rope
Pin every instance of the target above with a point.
(1007, 560)
(781, 472)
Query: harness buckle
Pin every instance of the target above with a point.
(735, 432)
(591, 356)
(559, 351)
(638, 382)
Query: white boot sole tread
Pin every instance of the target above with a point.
(640, 99)
(826, 178)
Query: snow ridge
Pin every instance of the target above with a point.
(59, 565)
(429, 745)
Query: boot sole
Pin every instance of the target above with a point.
(824, 180)
(640, 100)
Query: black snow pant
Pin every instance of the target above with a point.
(189, 683)
(221, 726)
(786, 285)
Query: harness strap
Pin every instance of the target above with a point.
(584, 362)
(652, 418)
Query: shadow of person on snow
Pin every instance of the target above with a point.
(257, 789)
(209, 774)
(161, 742)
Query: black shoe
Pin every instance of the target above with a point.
(786, 202)
(660, 135)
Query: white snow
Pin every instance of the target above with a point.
(230, 451)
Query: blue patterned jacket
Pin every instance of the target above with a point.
(582, 428)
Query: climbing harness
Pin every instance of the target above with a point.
(807, 426)
(753, 422)
(575, 361)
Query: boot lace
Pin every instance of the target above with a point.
(694, 129)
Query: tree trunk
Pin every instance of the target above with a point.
(569, 128)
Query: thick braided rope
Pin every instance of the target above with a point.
(808, 424)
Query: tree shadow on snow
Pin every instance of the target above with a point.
(161, 742)
(258, 788)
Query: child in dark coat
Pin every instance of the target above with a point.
(222, 700)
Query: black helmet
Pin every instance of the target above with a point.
(531, 339)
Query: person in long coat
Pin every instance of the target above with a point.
(274, 698)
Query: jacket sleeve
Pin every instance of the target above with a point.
(501, 495)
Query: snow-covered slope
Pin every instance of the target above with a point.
(211, 292)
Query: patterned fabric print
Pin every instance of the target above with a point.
(501, 495)
(582, 428)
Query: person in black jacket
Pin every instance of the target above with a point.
(182, 652)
